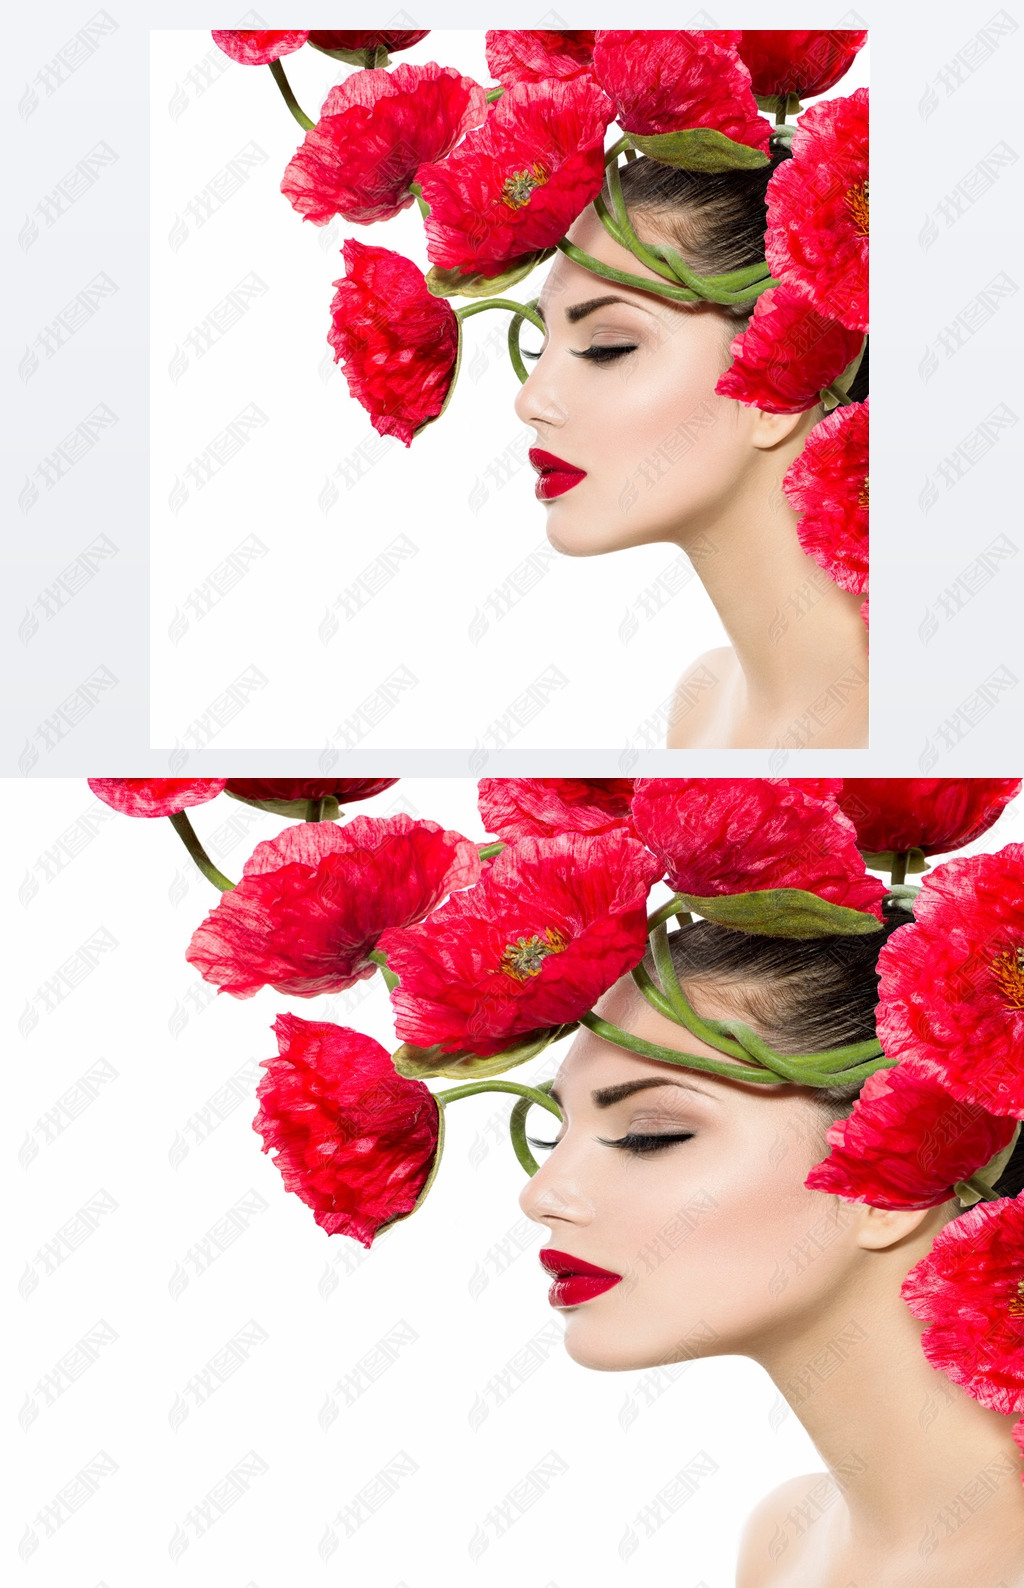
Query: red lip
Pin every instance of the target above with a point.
(556, 476)
(575, 1281)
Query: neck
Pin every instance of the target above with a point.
(914, 1457)
(798, 638)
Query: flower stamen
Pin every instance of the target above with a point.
(857, 204)
(525, 957)
(1015, 1306)
(1008, 970)
(517, 188)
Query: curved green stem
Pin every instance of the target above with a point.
(391, 981)
(654, 995)
(488, 851)
(289, 98)
(675, 906)
(528, 1096)
(315, 810)
(523, 310)
(654, 1050)
(898, 873)
(187, 833)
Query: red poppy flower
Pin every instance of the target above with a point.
(344, 789)
(374, 130)
(907, 1143)
(550, 926)
(258, 49)
(539, 807)
(531, 55)
(313, 902)
(741, 835)
(951, 988)
(1018, 1433)
(970, 1292)
(828, 486)
(354, 41)
(933, 814)
(816, 239)
(787, 355)
(515, 185)
(356, 1141)
(801, 62)
(663, 81)
(155, 796)
(398, 344)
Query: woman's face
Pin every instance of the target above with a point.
(718, 1241)
(626, 393)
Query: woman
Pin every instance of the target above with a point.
(777, 1272)
(640, 448)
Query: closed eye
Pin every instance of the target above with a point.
(638, 1144)
(599, 355)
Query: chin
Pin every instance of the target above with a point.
(579, 540)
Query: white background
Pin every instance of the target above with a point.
(477, 607)
(460, 1276)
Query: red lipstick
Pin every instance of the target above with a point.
(556, 476)
(575, 1281)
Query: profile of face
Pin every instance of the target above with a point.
(624, 390)
(703, 1227)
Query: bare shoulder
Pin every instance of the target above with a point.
(700, 695)
(767, 1534)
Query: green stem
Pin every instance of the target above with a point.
(289, 98)
(390, 979)
(664, 289)
(494, 93)
(187, 833)
(612, 154)
(528, 1095)
(517, 1127)
(899, 866)
(675, 906)
(837, 393)
(488, 851)
(974, 1184)
(315, 810)
(523, 310)
(654, 1050)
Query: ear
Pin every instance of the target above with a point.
(880, 1228)
(774, 430)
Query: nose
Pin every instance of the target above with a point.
(555, 1193)
(537, 402)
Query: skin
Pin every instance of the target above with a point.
(724, 1251)
(668, 460)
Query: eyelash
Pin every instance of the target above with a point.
(598, 355)
(637, 1144)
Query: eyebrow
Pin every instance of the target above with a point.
(605, 1096)
(579, 311)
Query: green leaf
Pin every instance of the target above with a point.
(295, 808)
(884, 859)
(699, 149)
(455, 284)
(364, 58)
(783, 912)
(419, 1063)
